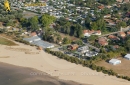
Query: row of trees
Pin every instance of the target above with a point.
(87, 63)
(34, 22)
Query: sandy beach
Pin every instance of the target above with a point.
(16, 75)
(27, 56)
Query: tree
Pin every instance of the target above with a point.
(128, 44)
(79, 42)
(46, 20)
(121, 24)
(94, 26)
(87, 22)
(79, 30)
(58, 39)
(66, 41)
(34, 23)
(92, 38)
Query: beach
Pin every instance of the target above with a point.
(16, 75)
(29, 57)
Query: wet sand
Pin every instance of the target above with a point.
(16, 75)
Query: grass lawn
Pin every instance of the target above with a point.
(122, 69)
(4, 41)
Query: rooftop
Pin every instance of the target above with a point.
(43, 44)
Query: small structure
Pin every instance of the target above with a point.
(102, 41)
(83, 49)
(122, 34)
(128, 33)
(114, 61)
(88, 33)
(113, 37)
(73, 47)
(127, 56)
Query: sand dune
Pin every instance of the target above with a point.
(56, 67)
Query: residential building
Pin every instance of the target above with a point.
(86, 33)
(113, 37)
(102, 41)
(122, 34)
(119, 1)
(128, 33)
(107, 16)
(83, 49)
(73, 47)
(127, 56)
(114, 61)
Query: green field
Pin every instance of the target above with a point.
(4, 41)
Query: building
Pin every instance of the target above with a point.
(37, 41)
(102, 41)
(107, 16)
(128, 33)
(127, 56)
(113, 37)
(83, 49)
(119, 1)
(122, 34)
(86, 33)
(114, 61)
(32, 39)
(43, 44)
(73, 47)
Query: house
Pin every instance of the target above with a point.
(98, 32)
(114, 61)
(127, 56)
(115, 47)
(107, 16)
(126, 1)
(101, 7)
(33, 34)
(83, 49)
(73, 47)
(102, 41)
(128, 14)
(110, 22)
(112, 37)
(128, 33)
(122, 34)
(91, 53)
(86, 33)
(119, 1)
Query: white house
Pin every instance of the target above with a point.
(127, 56)
(114, 61)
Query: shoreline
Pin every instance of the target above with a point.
(57, 67)
(22, 75)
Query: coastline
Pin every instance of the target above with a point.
(56, 67)
(16, 75)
